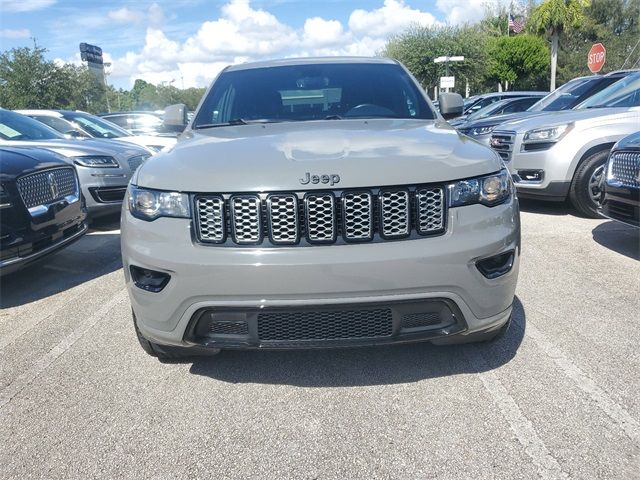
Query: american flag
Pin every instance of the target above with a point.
(515, 26)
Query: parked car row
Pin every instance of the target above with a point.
(557, 148)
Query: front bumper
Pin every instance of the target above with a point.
(337, 276)
(103, 189)
(622, 204)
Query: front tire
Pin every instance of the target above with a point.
(585, 187)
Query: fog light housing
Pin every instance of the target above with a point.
(149, 280)
(496, 266)
(531, 175)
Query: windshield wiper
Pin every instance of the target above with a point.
(333, 117)
(234, 122)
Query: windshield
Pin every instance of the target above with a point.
(312, 92)
(571, 93)
(96, 126)
(624, 93)
(488, 110)
(14, 126)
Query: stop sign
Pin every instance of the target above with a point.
(596, 58)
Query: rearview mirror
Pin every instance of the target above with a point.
(175, 117)
(451, 105)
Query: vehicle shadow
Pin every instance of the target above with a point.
(618, 237)
(362, 366)
(547, 208)
(94, 255)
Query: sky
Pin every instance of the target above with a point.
(187, 42)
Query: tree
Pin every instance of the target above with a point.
(520, 60)
(553, 17)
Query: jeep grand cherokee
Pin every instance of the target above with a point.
(319, 203)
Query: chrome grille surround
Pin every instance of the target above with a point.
(40, 189)
(324, 217)
(624, 169)
(210, 219)
(282, 211)
(395, 217)
(503, 143)
(246, 219)
(320, 220)
(357, 216)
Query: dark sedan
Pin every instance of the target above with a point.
(621, 193)
(41, 207)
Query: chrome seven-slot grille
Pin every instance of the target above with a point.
(625, 168)
(327, 217)
(47, 187)
(502, 143)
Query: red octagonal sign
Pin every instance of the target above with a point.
(596, 58)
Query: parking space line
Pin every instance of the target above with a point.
(610, 407)
(15, 387)
(534, 447)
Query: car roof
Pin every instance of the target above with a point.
(310, 61)
(47, 113)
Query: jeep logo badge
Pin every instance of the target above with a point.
(325, 178)
(53, 185)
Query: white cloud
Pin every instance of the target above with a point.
(393, 17)
(125, 15)
(15, 34)
(468, 11)
(320, 32)
(24, 5)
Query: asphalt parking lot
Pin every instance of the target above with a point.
(556, 398)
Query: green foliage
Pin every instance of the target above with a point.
(419, 46)
(29, 80)
(554, 16)
(521, 60)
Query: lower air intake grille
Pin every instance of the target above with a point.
(324, 325)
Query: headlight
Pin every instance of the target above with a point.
(151, 204)
(474, 132)
(96, 161)
(547, 134)
(490, 190)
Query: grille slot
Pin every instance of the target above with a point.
(282, 212)
(49, 186)
(394, 214)
(430, 210)
(325, 217)
(357, 211)
(223, 327)
(502, 143)
(246, 219)
(210, 219)
(325, 325)
(422, 319)
(625, 169)
(321, 218)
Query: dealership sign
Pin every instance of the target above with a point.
(596, 58)
(447, 82)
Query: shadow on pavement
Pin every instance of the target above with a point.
(360, 366)
(618, 237)
(547, 208)
(94, 255)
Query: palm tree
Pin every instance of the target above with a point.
(552, 17)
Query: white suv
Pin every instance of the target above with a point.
(319, 203)
(562, 154)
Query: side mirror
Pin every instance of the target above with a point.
(175, 117)
(451, 105)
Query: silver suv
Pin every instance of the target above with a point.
(562, 154)
(319, 203)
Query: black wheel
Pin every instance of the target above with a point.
(167, 352)
(586, 185)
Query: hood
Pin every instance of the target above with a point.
(631, 142)
(16, 161)
(74, 148)
(499, 119)
(281, 156)
(162, 143)
(597, 115)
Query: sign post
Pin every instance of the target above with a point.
(449, 80)
(596, 57)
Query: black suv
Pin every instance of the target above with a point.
(41, 207)
(621, 192)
